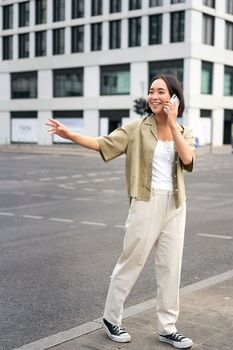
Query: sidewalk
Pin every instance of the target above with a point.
(206, 316)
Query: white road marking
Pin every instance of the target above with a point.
(7, 214)
(61, 220)
(83, 199)
(59, 197)
(99, 180)
(119, 226)
(93, 223)
(89, 189)
(78, 175)
(108, 190)
(45, 179)
(61, 177)
(213, 236)
(37, 195)
(92, 174)
(32, 216)
(82, 182)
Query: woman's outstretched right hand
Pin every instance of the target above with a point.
(58, 129)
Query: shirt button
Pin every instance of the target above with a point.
(176, 190)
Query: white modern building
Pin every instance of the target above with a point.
(85, 62)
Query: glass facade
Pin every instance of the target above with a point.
(68, 82)
(7, 50)
(208, 30)
(77, 39)
(77, 9)
(40, 43)
(228, 81)
(24, 85)
(134, 32)
(41, 11)
(96, 7)
(115, 79)
(58, 10)
(24, 14)
(58, 41)
(229, 7)
(154, 3)
(135, 4)
(177, 26)
(7, 17)
(23, 45)
(206, 77)
(209, 3)
(155, 29)
(229, 36)
(115, 6)
(174, 67)
(96, 36)
(115, 34)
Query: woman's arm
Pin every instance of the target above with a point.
(64, 132)
(185, 152)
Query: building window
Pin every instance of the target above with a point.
(115, 80)
(58, 10)
(154, 3)
(68, 82)
(115, 34)
(24, 85)
(24, 127)
(174, 67)
(208, 30)
(229, 7)
(111, 120)
(96, 7)
(177, 1)
(205, 113)
(227, 130)
(206, 77)
(23, 45)
(40, 43)
(7, 17)
(228, 81)
(58, 41)
(134, 32)
(115, 6)
(155, 29)
(177, 26)
(135, 4)
(209, 3)
(96, 36)
(24, 14)
(77, 9)
(41, 11)
(77, 39)
(229, 36)
(7, 51)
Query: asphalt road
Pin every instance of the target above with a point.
(61, 232)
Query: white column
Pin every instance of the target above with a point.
(45, 84)
(87, 9)
(139, 79)
(124, 33)
(218, 79)
(67, 40)
(91, 122)
(43, 136)
(32, 44)
(193, 27)
(15, 47)
(67, 10)
(49, 42)
(191, 118)
(105, 38)
(124, 7)
(49, 11)
(15, 15)
(91, 81)
(219, 35)
(144, 31)
(218, 124)
(166, 28)
(32, 19)
(5, 128)
(87, 38)
(5, 87)
(105, 7)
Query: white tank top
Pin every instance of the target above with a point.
(162, 165)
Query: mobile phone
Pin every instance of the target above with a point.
(174, 99)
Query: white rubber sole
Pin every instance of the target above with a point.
(178, 345)
(119, 339)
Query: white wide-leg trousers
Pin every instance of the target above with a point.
(159, 224)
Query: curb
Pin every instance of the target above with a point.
(89, 327)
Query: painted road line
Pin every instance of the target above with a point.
(93, 223)
(32, 216)
(213, 236)
(61, 220)
(92, 174)
(119, 226)
(98, 180)
(89, 189)
(59, 197)
(77, 175)
(83, 199)
(86, 328)
(61, 177)
(7, 214)
(82, 182)
(45, 179)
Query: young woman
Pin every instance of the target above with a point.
(157, 150)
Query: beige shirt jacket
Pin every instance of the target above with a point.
(137, 139)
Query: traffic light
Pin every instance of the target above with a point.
(139, 105)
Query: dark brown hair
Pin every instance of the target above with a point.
(173, 86)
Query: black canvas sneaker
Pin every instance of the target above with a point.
(177, 340)
(116, 333)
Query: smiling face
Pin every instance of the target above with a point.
(157, 96)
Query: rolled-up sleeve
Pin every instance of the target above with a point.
(113, 145)
(188, 135)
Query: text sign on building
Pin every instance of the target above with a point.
(24, 130)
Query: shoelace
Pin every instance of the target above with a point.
(119, 330)
(177, 336)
